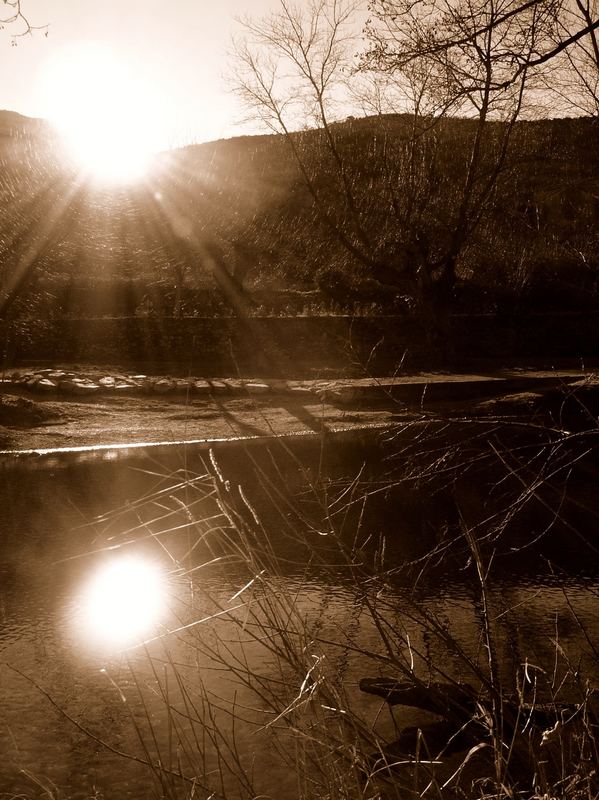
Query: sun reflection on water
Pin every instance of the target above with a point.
(123, 601)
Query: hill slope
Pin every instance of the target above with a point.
(236, 213)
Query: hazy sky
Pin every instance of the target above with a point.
(175, 48)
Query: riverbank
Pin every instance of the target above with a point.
(72, 406)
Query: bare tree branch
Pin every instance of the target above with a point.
(15, 16)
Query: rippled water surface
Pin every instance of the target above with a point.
(83, 703)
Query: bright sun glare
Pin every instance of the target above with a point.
(104, 110)
(123, 602)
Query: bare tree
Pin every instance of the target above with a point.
(573, 79)
(473, 52)
(442, 38)
(297, 67)
(19, 23)
(290, 70)
(410, 204)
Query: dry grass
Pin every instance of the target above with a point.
(254, 693)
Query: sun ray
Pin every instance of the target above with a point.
(37, 239)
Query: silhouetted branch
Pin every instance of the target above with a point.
(16, 15)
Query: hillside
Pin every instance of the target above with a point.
(215, 220)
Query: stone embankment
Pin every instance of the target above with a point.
(84, 384)
(421, 389)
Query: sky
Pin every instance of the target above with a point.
(175, 50)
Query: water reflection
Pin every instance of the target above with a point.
(123, 601)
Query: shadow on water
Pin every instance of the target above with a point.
(323, 526)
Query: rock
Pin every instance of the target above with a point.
(124, 387)
(219, 387)
(148, 385)
(20, 412)
(79, 386)
(67, 386)
(138, 377)
(235, 386)
(86, 388)
(46, 385)
(279, 386)
(108, 381)
(163, 386)
(182, 385)
(56, 375)
(257, 388)
(300, 391)
(32, 382)
(344, 394)
(439, 739)
(440, 698)
(202, 388)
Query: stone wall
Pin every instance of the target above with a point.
(295, 346)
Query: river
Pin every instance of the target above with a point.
(207, 609)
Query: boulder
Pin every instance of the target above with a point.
(67, 386)
(21, 412)
(163, 386)
(86, 388)
(279, 386)
(257, 388)
(441, 698)
(46, 385)
(202, 388)
(344, 395)
(78, 386)
(148, 385)
(300, 391)
(219, 387)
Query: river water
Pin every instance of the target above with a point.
(201, 610)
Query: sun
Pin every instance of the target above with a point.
(123, 601)
(104, 110)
